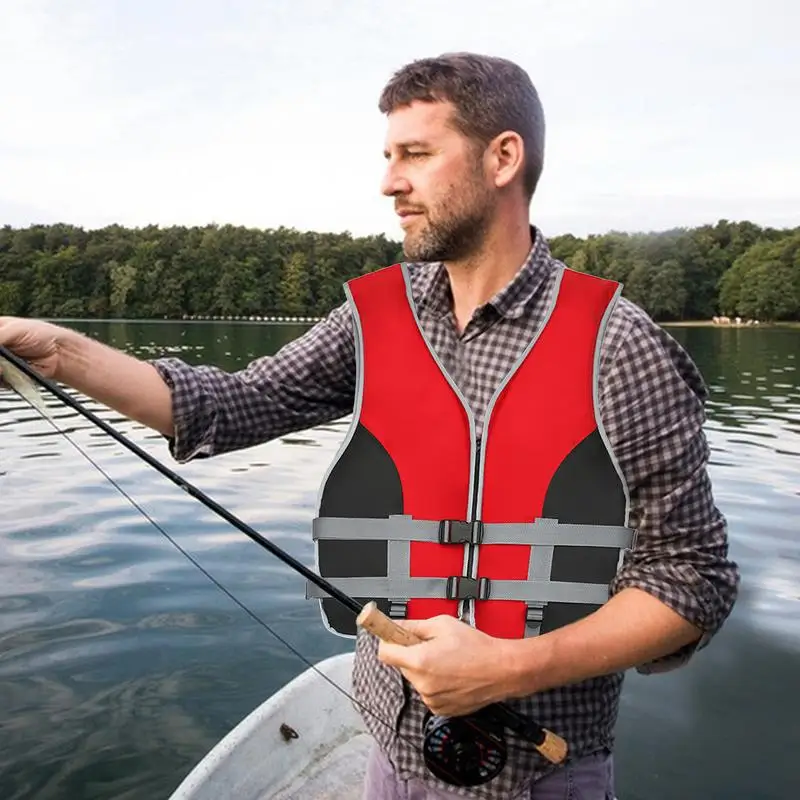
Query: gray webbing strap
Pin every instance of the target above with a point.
(539, 567)
(535, 592)
(399, 528)
(399, 559)
(384, 587)
(540, 532)
(549, 532)
(549, 592)
(541, 562)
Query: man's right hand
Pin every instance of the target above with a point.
(32, 340)
(123, 382)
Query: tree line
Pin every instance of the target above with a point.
(735, 269)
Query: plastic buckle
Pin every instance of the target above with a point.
(398, 609)
(457, 531)
(460, 587)
(534, 614)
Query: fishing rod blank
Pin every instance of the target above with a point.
(369, 616)
(319, 581)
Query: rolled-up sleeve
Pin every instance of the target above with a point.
(653, 410)
(309, 381)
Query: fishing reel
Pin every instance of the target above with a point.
(471, 750)
(464, 751)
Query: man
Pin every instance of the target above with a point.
(464, 154)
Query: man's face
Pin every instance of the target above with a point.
(436, 177)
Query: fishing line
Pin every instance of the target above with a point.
(208, 575)
(438, 731)
(72, 403)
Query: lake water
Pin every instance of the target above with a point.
(121, 664)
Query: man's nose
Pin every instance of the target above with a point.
(394, 183)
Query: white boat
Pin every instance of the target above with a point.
(305, 742)
(260, 759)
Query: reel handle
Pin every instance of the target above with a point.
(372, 619)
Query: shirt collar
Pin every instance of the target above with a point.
(433, 287)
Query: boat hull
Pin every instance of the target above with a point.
(256, 761)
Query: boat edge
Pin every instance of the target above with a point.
(338, 668)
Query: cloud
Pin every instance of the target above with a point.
(265, 114)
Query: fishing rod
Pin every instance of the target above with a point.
(465, 751)
(326, 586)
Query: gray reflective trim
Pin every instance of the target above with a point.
(535, 592)
(358, 397)
(598, 418)
(545, 532)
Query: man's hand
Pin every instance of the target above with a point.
(32, 340)
(456, 670)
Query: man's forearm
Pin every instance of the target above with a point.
(632, 628)
(130, 386)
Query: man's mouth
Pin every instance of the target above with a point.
(407, 214)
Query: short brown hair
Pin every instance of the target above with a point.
(490, 95)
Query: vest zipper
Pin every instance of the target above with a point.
(469, 605)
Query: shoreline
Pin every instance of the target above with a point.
(707, 323)
(286, 320)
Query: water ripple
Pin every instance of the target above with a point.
(121, 663)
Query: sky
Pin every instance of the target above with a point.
(264, 112)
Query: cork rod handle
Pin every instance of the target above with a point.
(372, 619)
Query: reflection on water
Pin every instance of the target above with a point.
(121, 664)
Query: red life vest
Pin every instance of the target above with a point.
(520, 535)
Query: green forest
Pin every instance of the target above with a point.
(733, 269)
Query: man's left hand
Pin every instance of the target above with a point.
(456, 669)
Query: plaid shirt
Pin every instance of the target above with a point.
(651, 399)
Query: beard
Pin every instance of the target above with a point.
(455, 229)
